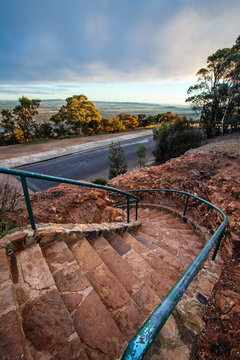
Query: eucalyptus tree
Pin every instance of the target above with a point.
(217, 88)
(21, 119)
(77, 112)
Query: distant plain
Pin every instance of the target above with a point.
(108, 109)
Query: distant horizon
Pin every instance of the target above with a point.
(109, 108)
(104, 101)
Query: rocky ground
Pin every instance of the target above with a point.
(67, 204)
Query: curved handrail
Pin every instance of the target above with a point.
(146, 334)
(26, 174)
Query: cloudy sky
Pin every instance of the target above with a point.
(112, 50)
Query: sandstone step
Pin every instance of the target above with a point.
(146, 240)
(177, 229)
(80, 298)
(158, 283)
(110, 290)
(179, 225)
(153, 280)
(111, 279)
(124, 270)
(11, 337)
(46, 323)
(134, 243)
(116, 264)
(97, 329)
(149, 230)
(174, 223)
(153, 288)
(165, 232)
(72, 284)
(161, 258)
(118, 243)
(173, 243)
(159, 217)
(159, 221)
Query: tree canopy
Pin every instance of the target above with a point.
(217, 93)
(78, 112)
(174, 138)
(19, 125)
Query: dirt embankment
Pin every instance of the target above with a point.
(67, 204)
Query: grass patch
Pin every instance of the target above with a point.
(99, 181)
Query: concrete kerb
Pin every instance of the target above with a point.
(69, 150)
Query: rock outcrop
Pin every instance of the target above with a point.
(68, 204)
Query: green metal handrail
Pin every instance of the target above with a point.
(26, 174)
(146, 334)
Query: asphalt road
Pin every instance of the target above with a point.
(86, 165)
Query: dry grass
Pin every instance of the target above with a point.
(228, 145)
(9, 196)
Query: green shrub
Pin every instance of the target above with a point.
(173, 139)
(99, 181)
(141, 153)
(6, 225)
(117, 160)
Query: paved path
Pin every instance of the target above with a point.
(29, 154)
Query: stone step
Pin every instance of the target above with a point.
(131, 316)
(151, 279)
(166, 232)
(135, 244)
(172, 243)
(172, 222)
(83, 303)
(11, 336)
(155, 215)
(105, 283)
(179, 225)
(152, 276)
(46, 323)
(160, 221)
(116, 264)
(177, 229)
(153, 288)
(113, 281)
(146, 240)
(160, 217)
(72, 284)
(149, 231)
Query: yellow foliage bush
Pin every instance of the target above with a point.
(18, 133)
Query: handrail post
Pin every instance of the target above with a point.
(128, 209)
(186, 205)
(28, 202)
(217, 245)
(136, 210)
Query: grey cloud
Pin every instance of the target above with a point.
(94, 41)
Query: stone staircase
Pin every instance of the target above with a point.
(69, 297)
